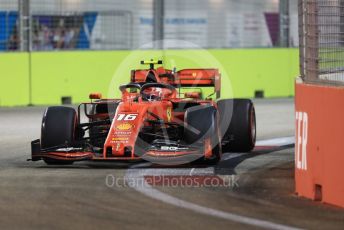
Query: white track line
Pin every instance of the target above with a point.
(149, 191)
(278, 142)
(283, 141)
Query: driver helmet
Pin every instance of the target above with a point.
(153, 94)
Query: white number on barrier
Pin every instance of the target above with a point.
(126, 117)
(301, 140)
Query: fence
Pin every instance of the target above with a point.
(322, 41)
(116, 24)
(9, 37)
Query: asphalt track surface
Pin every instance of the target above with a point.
(124, 196)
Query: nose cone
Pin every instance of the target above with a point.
(124, 130)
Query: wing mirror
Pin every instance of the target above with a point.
(194, 95)
(95, 96)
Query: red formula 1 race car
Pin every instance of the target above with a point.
(162, 117)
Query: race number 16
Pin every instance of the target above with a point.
(126, 117)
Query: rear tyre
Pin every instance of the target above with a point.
(201, 123)
(239, 135)
(58, 128)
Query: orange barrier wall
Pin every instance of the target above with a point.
(319, 147)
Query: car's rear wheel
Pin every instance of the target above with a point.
(201, 124)
(239, 135)
(58, 129)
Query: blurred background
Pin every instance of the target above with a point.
(57, 51)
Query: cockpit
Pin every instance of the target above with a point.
(147, 91)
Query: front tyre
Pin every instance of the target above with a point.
(200, 124)
(58, 128)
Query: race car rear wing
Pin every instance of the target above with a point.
(183, 78)
(199, 78)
